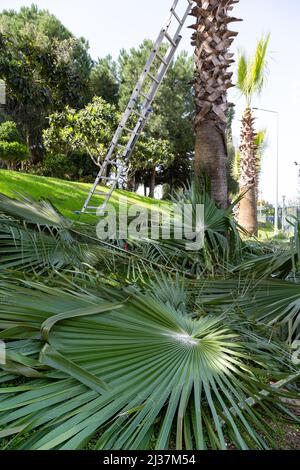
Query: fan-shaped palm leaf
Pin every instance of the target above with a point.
(130, 371)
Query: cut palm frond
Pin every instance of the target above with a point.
(131, 371)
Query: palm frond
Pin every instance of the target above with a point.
(259, 64)
(251, 74)
(242, 77)
(129, 372)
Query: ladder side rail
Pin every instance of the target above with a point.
(94, 187)
(101, 209)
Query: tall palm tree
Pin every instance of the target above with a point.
(261, 144)
(212, 39)
(251, 79)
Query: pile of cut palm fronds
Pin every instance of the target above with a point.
(151, 347)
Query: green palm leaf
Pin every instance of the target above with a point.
(251, 75)
(168, 371)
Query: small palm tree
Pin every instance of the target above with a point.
(251, 79)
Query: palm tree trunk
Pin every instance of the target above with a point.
(248, 175)
(35, 145)
(152, 182)
(211, 158)
(212, 39)
(131, 184)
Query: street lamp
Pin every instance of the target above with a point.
(277, 166)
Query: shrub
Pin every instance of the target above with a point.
(13, 152)
(9, 132)
(56, 166)
(72, 166)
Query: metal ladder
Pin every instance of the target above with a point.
(138, 113)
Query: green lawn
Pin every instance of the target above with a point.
(68, 197)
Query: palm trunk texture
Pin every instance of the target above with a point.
(248, 175)
(212, 39)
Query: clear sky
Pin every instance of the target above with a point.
(110, 26)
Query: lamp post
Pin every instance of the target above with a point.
(277, 167)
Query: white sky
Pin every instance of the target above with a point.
(110, 26)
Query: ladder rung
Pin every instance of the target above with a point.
(93, 207)
(154, 79)
(116, 144)
(170, 39)
(161, 59)
(176, 16)
(145, 96)
(108, 178)
(137, 113)
(128, 130)
(100, 193)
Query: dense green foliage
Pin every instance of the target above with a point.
(44, 68)
(88, 130)
(173, 110)
(9, 132)
(12, 149)
(48, 72)
(104, 80)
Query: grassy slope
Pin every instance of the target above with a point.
(68, 197)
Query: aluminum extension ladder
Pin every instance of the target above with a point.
(138, 114)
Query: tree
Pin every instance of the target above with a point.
(44, 67)
(251, 79)
(212, 39)
(233, 181)
(260, 143)
(104, 80)
(88, 131)
(149, 157)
